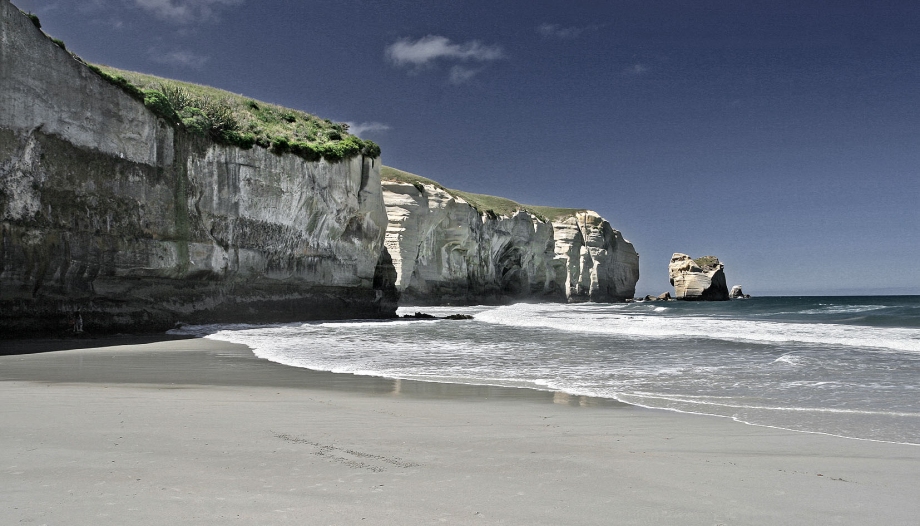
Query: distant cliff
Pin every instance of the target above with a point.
(109, 208)
(454, 247)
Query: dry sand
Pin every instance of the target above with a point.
(203, 432)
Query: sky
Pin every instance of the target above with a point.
(782, 137)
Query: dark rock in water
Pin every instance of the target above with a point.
(426, 316)
(420, 316)
(661, 297)
(700, 279)
(737, 293)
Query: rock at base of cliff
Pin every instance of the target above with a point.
(701, 279)
(665, 296)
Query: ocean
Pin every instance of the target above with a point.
(844, 366)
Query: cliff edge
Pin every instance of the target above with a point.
(112, 210)
(449, 246)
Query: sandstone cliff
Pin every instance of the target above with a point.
(697, 279)
(109, 209)
(446, 250)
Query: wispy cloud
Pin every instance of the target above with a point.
(426, 50)
(186, 11)
(635, 70)
(432, 49)
(181, 58)
(565, 33)
(461, 74)
(365, 127)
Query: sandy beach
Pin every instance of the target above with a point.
(195, 431)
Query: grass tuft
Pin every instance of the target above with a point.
(485, 204)
(707, 262)
(35, 21)
(229, 118)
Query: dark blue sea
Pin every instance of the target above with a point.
(845, 366)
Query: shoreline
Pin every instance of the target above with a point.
(261, 372)
(318, 378)
(203, 431)
(580, 399)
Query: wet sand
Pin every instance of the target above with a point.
(195, 431)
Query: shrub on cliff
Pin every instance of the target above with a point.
(233, 119)
(159, 104)
(35, 21)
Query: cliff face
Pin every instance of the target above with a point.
(446, 251)
(698, 279)
(107, 209)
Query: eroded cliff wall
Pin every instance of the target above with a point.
(701, 279)
(109, 210)
(446, 251)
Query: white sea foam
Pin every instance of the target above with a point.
(640, 326)
(789, 359)
(701, 402)
(679, 359)
(843, 309)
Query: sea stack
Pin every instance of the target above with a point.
(700, 279)
(736, 293)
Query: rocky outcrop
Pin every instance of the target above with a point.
(107, 209)
(447, 251)
(665, 296)
(737, 293)
(697, 279)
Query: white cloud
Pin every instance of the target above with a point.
(185, 11)
(557, 31)
(364, 127)
(566, 33)
(461, 74)
(428, 49)
(181, 58)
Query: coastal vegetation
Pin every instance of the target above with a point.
(706, 261)
(490, 205)
(34, 18)
(229, 118)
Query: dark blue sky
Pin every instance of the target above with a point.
(783, 137)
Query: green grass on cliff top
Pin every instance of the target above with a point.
(487, 204)
(707, 261)
(234, 119)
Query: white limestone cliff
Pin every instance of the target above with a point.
(445, 250)
(697, 279)
(106, 208)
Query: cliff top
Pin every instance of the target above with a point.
(230, 118)
(235, 119)
(707, 262)
(488, 204)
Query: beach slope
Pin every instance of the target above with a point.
(203, 432)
